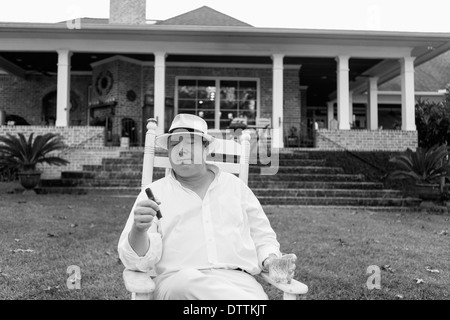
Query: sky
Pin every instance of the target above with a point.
(378, 15)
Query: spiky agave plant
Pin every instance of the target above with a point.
(424, 165)
(25, 154)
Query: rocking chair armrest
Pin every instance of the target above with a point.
(293, 288)
(138, 282)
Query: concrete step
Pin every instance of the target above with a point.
(120, 161)
(290, 155)
(301, 162)
(253, 178)
(285, 165)
(100, 183)
(264, 200)
(136, 175)
(302, 179)
(328, 193)
(254, 185)
(306, 169)
(118, 168)
(305, 177)
(139, 153)
(119, 190)
(118, 175)
(340, 201)
(315, 185)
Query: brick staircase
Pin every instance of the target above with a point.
(300, 181)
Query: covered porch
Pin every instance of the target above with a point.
(283, 70)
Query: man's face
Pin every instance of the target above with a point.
(186, 153)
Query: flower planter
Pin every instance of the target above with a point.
(29, 180)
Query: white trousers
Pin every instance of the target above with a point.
(210, 284)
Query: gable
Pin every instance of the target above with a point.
(204, 16)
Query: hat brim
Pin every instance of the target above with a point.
(163, 139)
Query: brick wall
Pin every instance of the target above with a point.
(366, 140)
(132, 74)
(24, 97)
(304, 109)
(78, 158)
(292, 102)
(85, 146)
(88, 137)
(113, 67)
(105, 95)
(127, 76)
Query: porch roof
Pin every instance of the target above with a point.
(373, 53)
(92, 25)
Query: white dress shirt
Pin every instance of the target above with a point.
(227, 229)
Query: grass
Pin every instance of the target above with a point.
(334, 249)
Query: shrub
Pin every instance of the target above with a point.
(424, 165)
(433, 121)
(24, 154)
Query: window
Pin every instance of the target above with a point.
(218, 101)
(198, 97)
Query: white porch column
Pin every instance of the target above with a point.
(408, 98)
(330, 113)
(350, 106)
(63, 89)
(372, 111)
(343, 92)
(160, 90)
(277, 107)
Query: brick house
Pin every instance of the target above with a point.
(98, 80)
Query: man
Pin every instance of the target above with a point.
(214, 234)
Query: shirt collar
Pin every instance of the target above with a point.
(215, 169)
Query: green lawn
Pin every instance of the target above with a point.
(334, 248)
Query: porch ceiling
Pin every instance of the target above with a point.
(318, 74)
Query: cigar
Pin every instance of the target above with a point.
(150, 195)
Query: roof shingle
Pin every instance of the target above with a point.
(433, 75)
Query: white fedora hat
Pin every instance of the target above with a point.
(186, 123)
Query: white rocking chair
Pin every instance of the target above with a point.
(140, 284)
